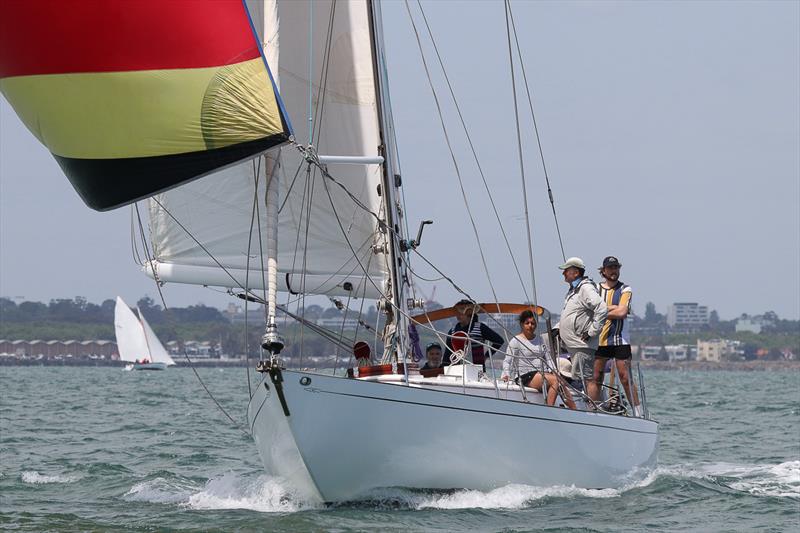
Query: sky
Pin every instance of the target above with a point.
(670, 130)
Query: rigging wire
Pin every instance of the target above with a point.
(253, 218)
(257, 172)
(137, 258)
(312, 177)
(452, 154)
(169, 314)
(323, 84)
(291, 186)
(519, 151)
(536, 130)
(341, 332)
(310, 69)
(472, 148)
(297, 240)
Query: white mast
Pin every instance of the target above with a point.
(391, 181)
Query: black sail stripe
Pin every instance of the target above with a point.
(109, 183)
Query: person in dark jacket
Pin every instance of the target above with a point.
(478, 332)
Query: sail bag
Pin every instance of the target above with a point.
(133, 98)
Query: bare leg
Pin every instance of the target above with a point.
(557, 388)
(599, 374)
(538, 381)
(592, 390)
(623, 367)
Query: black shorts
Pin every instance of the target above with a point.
(614, 352)
(525, 378)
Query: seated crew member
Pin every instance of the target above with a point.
(433, 354)
(478, 332)
(527, 360)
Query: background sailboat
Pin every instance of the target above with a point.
(136, 341)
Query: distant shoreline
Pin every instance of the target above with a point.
(647, 364)
(743, 366)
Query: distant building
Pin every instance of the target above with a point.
(687, 316)
(236, 315)
(507, 323)
(753, 324)
(650, 352)
(335, 324)
(52, 349)
(719, 350)
(200, 350)
(678, 352)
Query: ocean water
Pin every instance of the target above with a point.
(100, 449)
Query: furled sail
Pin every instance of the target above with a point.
(331, 40)
(133, 98)
(131, 342)
(158, 354)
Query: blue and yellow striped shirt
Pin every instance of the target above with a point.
(611, 334)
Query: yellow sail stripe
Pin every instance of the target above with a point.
(113, 115)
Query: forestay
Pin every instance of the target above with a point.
(339, 107)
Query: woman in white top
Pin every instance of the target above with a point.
(527, 361)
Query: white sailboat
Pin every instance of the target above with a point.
(336, 438)
(334, 197)
(137, 342)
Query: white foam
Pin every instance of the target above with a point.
(160, 490)
(33, 477)
(265, 494)
(780, 480)
(511, 496)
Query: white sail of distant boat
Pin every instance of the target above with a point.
(136, 341)
(324, 215)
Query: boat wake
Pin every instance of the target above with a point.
(230, 491)
(269, 494)
(166, 489)
(775, 480)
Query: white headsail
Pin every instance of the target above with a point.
(131, 342)
(330, 40)
(158, 354)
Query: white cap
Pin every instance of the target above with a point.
(565, 367)
(576, 262)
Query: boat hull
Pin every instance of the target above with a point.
(149, 366)
(344, 437)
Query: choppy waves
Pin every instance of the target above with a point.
(174, 466)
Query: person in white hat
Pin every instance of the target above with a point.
(582, 319)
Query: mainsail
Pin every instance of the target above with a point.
(131, 341)
(133, 98)
(325, 70)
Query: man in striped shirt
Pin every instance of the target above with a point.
(479, 333)
(613, 341)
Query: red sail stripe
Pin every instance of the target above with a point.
(61, 36)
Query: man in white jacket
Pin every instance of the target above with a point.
(582, 319)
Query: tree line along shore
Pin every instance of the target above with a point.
(236, 335)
